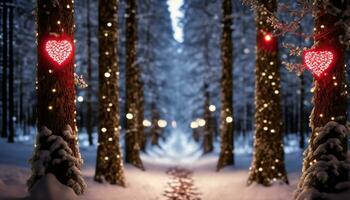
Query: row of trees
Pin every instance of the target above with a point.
(268, 161)
(56, 88)
(201, 53)
(56, 111)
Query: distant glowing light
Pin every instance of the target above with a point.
(146, 123)
(194, 125)
(80, 99)
(212, 108)
(201, 122)
(162, 123)
(174, 124)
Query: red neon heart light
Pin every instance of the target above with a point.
(318, 61)
(59, 50)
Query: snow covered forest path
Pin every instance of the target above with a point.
(151, 184)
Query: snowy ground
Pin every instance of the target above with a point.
(229, 184)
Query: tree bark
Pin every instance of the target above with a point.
(226, 127)
(330, 97)
(155, 129)
(89, 125)
(141, 107)
(268, 158)
(208, 128)
(55, 85)
(4, 70)
(302, 113)
(109, 165)
(11, 78)
(132, 134)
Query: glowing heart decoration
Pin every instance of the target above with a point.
(319, 62)
(59, 50)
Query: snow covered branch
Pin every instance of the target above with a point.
(328, 174)
(53, 155)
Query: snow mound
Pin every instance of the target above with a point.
(49, 188)
(327, 168)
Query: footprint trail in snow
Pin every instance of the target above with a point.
(181, 185)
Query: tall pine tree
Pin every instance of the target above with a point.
(226, 115)
(4, 69)
(132, 88)
(325, 165)
(57, 141)
(268, 158)
(109, 165)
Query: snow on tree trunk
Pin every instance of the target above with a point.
(226, 124)
(132, 132)
(330, 104)
(329, 171)
(55, 86)
(268, 158)
(109, 165)
(54, 155)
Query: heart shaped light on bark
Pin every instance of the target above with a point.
(59, 50)
(319, 62)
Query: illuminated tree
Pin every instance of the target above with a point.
(325, 165)
(268, 158)
(109, 166)
(226, 116)
(57, 150)
(132, 89)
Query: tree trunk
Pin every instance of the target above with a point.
(21, 99)
(109, 164)
(89, 125)
(226, 117)
(140, 105)
(4, 71)
(268, 158)
(196, 134)
(11, 78)
(55, 83)
(208, 128)
(330, 101)
(302, 112)
(132, 146)
(155, 129)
